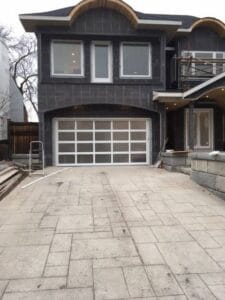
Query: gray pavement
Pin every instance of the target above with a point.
(112, 233)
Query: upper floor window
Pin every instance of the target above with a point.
(202, 64)
(67, 58)
(101, 65)
(135, 60)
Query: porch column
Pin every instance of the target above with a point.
(191, 126)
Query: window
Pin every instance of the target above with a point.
(204, 64)
(203, 128)
(135, 60)
(101, 53)
(67, 58)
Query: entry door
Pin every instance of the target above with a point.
(203, 129)
(102, 141)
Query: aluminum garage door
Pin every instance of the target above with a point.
(102, 141)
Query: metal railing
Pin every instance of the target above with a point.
(196, 68)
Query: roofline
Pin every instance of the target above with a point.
(184, 95)
(217, 24)
(66, 21)
(30, 21)
(159, 22)
(43, 18)
(68, 18)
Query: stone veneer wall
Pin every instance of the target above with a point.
(174, 161)
(209, 171)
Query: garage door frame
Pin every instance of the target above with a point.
(148, 140)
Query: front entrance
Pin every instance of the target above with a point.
(102, 141)
(203, 129)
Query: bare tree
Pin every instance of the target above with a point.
(3, 105)
(23, 63)
(5, 33)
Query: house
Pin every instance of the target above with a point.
(117, 86)
(11, 100)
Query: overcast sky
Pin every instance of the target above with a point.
(10, 9)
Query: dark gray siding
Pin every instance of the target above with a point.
(54, 96)
(100, 24)
(202, 38)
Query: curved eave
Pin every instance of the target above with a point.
(30, 23)
(118, 5)
(213, 23)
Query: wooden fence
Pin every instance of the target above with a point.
(20, 135)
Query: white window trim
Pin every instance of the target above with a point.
(211, 129)
(122, 75)
(109, 79)
(193, 53)
(147, 140)
(82, 59)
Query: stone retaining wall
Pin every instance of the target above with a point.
(209, 171)
(173, 161)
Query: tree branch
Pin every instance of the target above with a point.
(23, 63)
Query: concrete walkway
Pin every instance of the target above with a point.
(112, 233)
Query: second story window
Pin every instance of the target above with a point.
(67, 59)
(135, 60)
(202, 64)
(101, 62)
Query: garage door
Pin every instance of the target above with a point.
(102, 142)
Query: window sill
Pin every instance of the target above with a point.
(101, 82)
(136, 78)
(67, 76)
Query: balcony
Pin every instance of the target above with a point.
(196, 66)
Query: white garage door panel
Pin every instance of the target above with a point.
(93, 142)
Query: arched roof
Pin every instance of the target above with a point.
(213, 23)
(118, 5)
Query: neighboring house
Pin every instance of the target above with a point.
(116, 85)
(11, 100)
(4, 90)
(17, 112)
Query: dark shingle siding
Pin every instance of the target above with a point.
(64, 12)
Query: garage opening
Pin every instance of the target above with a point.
(102, 141)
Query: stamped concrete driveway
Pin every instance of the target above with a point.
(112, 233)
